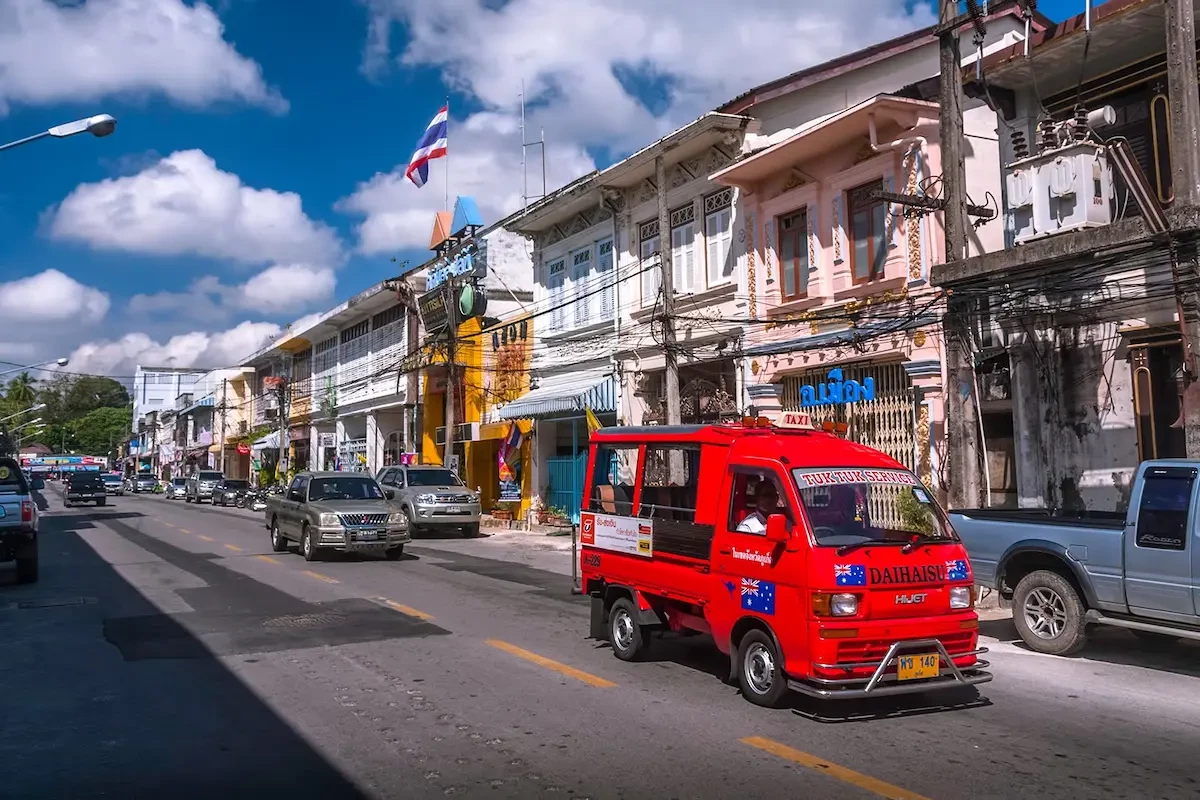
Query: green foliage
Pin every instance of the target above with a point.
(99, 431)
(916, 516)
(70, 398)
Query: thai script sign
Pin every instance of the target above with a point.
(835, 391)
(627, 535)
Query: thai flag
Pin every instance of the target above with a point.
(431, 146)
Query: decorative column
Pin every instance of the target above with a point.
(374, 444)
(928, 417)
(765, 397)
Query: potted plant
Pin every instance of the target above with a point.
(501, 511)
(558, 516)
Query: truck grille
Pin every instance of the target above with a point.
(363, 519)
(453, 498)
(861, 652)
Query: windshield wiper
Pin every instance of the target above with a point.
(921, 538)
(850, 548)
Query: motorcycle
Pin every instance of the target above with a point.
(255, 500)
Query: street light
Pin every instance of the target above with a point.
(99, 125)
(37, 407)
(61, 362)
(33, 421)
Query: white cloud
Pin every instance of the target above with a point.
(278, 289)
(54, 52)
(185, 205)
(196, 349)
(51, 296)
(688, 56)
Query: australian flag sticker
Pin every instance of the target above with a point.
(957, 570)
(850, 574)
(758, 596)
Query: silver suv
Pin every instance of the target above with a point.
(432, 497)
(200, 486)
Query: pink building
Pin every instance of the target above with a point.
(847, 325)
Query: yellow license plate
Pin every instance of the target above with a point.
(911, 668)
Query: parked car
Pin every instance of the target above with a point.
(113, 484)
(433, 497)
(336, 511)
(176, 489)
(1065, 571)
(144, 482)
(230, 492)
(200, 486)
(84, 487)
(19, 520)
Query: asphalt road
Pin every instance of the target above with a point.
(166, 652)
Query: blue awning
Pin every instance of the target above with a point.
(565, 395)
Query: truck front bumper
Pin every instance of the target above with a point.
(884, 680)
(448, 515)
(354, 540)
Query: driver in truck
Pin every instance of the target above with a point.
(766, 503)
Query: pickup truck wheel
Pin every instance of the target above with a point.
(27, 566)
(1048, 614)
(394, 553)
(412, 524)
(760, 670)
(307, 548)
(187, 498)
(471, 531)
(625, 634)
(278, 543)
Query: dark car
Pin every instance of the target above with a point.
(85, 487)
(230, 492)
(19, 520)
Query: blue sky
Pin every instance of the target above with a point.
(256, 172)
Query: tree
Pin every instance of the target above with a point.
(99, 431)
(68, 398)
(21, 392)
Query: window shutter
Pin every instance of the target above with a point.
(651, 276)
(604, 269)
(581, 267)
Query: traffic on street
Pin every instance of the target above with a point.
(169, 648)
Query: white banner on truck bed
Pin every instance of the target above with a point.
(619, 534)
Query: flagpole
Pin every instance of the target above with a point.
(447, 159)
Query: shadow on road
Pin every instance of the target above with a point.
(1117, 646)
(80, 721)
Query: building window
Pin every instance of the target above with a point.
(648, 249)
(868, 232)
(581, 268)
(683, 248)
(793, 255)
(718, 236)
(556, 277)
(604, 269)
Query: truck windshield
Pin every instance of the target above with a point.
(432, 477)
(324, 489)
(864, 506)
(209, 476)
(12, 480)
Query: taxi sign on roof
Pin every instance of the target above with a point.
(795, 419)
(834, 477)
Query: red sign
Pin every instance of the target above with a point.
(243, 449)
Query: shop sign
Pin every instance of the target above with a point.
(471, 261)
(243, 449)
(327, 440)
(835, 391)
(434, 314)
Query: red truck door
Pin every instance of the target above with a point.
(755, 577)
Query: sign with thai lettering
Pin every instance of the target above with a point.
(835, 391)
(471, 261)
(628, 535)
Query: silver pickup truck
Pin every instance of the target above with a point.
(19, 520)
(1138, 569)
(336, 511)
(433, 497)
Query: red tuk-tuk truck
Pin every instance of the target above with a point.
(819, 565)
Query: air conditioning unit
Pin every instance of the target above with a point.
(1061, 190)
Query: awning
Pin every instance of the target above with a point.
(567, 394)
(268, 442)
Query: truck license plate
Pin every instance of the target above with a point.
(911, 668)
(367, 536)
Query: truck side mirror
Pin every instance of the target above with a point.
(777, 530)
(390, 494)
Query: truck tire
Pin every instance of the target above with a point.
(1048, 614)
(307, 548)
(27, 565)
(471, 531)
(413, 528)
(394, 553)
(279, 542)
(626, 635)
(760, 670)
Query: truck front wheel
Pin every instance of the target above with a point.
(1048, 614)
(760, 670)
(625, 634)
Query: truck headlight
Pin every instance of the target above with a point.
(329, 521)
(960, 596)
(426, 499)
(395, 518)
(843, 605)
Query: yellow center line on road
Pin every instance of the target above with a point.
(202, 536)
(320, 577)
(551, 664)
(403, 609)
(168, 524)
(841, 773)
(234, 548)
(268, 559)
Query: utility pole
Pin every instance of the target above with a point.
(962, 421)
(1185, 182)
(282, 389)
(668, 291)
(223, 386)
(451, 368)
